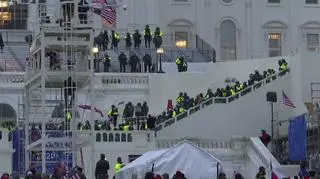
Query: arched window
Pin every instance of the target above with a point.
(228, 46)
(7, 113)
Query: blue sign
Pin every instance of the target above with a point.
(52, 156)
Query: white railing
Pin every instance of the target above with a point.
(120, 80)
(202, 143)
(218, 100)
(14, 78)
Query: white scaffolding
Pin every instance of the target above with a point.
(48, 129)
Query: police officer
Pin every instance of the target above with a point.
(133, 61)
(157, 39)
(123, 60)
(105, 40)
(106, 62)
(147, 63)
(113, 114)
(128, 40)
(137, 39)
(115, 38)
(147, 36)
(118, 165)
(181, 64)
(68, 119)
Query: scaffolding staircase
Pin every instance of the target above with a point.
(51, 94)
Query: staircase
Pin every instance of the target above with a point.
(219, 101)
(8, 61)
(20, 53)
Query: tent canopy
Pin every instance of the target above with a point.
(185, 157)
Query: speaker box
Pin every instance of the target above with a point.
(272, 97)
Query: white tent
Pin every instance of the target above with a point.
(194, 162)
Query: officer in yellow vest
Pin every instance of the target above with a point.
(113, 114)
(238, 86)
(106, 62)
(126, 127)
(180, 98)
(118, 165)
(147, 36)
(68, 119)
(115, 38)
(283, 65)
(128, 40)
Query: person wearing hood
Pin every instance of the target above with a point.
(5, 176)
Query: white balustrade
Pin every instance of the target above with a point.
(13, 78)
(118, 80)
(202, 143)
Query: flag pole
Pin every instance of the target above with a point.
(272, 128)
(218, 169)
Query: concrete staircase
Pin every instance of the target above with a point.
(8, 61)
(20, 53)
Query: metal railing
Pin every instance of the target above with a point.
(14, 36)
(205, 49)
(218, 100)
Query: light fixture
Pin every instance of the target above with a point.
(181, 44)
(160, 50)
(95, 50)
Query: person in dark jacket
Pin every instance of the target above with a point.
(147, 63)
(265, 137)
(83, 8)
(102, 168)
(1, 43)
(70, 88)
(137, 39)
(147, 36)
(123, 62)
(128, 40)
(134, 60)
(105, 40)
(261, 174)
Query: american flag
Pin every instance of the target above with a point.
(72, 174)
(106, 11)
(287, 101)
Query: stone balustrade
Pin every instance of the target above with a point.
(202, 143)
(11, 78)
(118, 80)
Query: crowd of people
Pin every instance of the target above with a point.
(133, 118)
(103, 41)
(135, 63)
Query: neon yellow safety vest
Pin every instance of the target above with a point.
(174, 113)
(232, 92)
(69, 116)
(182, 110)
(126, 128)
(117, 167)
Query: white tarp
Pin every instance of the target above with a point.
(194, 162)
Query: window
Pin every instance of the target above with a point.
(312, 42)
(274, 44)
(311, 1)
(181, 39)
(98, 137)
(274, 1)
(228, 40)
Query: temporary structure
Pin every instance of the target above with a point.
(185, 157)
